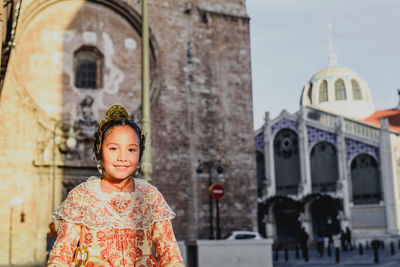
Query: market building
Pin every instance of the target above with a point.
(333, 164)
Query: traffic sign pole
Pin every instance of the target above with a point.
(218, 227)
(217, 191)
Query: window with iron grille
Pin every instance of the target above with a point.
(366, 180)
(88, 63)
(324, 167)
(287, 162)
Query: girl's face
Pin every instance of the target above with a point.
(120, 152)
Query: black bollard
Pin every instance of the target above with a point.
(376, 256)
(306, 254)
(337, 255)
(360, 249)
(366, 245)
(398, 244)
(329, 250)
(297, 252)
(392, 248)
(276, 254)
(286, 254)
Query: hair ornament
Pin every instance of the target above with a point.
(116, 112)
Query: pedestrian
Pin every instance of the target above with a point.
(343, 240)
(348, 237)
(320, 243)
(50, 239)
(115, 218)
(303, 238)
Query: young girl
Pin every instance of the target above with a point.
(115, 219)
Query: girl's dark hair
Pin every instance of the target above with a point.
(104, 130)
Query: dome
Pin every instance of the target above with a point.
(338, 90)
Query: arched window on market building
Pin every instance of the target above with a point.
(324, 167)
(357, 95)
(286, 162)
(340, 90)
(366, 181)
(323, 91)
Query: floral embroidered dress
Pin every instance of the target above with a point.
(116, 229)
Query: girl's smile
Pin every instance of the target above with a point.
(120, 153)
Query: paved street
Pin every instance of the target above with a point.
(350, 258)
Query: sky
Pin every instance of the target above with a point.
(289, 44)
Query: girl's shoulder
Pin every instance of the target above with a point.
(87, 187)
(147, 190)
(143, 185)
(73, 208)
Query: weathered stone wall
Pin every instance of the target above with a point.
(201, 102)
(1, 27)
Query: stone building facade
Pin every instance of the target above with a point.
(73, 59)
(331, 165)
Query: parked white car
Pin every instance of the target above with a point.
(244, 235)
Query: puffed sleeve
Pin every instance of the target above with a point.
(65, 245)
(167, 249)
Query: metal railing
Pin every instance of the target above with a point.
(351, 126)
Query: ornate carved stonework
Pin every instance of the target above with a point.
(85, 126)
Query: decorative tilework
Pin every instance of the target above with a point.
(316, 135)
(284, 123)
(260, 142)
(354, 147)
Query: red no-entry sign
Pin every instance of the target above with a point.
(217, 191)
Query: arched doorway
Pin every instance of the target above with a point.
(287, 212)
(324, 212)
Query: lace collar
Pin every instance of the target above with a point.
(86, 204)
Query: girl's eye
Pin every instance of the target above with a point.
(113, 148)
(132, 150)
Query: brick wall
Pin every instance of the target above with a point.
(201, 100)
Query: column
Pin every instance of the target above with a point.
(344, 177)
(304, 155)
(269, 157)
(146, 166)
(387, 178)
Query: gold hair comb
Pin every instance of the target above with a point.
(114, 113)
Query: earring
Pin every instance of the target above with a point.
(100, 168)
(136, 172)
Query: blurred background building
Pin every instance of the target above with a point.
(63, 63)
(331, 165)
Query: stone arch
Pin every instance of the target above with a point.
(285, 213)
(127, 12)
(324, 211)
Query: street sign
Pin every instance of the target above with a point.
(217, 191)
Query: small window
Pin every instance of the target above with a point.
(340, 90)
(88, 66)
(309, 93)
(356, 90)
(323, 91)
